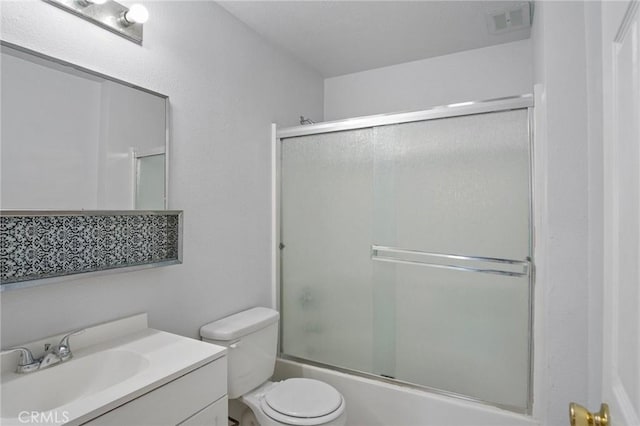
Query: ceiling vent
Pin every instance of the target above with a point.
(509, 18)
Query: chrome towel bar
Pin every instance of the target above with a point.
(498, 266)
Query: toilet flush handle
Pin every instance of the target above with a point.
(234, 345)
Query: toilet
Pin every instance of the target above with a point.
(251, 339)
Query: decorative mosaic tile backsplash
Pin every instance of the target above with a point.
(38, 245)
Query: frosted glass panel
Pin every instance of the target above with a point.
(457, 185)
(326, 210)
(360, 208)
(462, 332)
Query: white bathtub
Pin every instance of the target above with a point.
(374, 403)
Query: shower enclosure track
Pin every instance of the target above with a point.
(445, 111)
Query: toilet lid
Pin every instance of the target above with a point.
(303, 398)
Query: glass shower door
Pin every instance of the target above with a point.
(407, 253)
(451, 244)
(326, 227)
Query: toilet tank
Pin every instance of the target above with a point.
(251, 339)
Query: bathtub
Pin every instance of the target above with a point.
(375, 403)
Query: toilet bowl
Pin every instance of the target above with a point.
(251, 338)
(300, 402)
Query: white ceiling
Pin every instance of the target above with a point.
(342, 37)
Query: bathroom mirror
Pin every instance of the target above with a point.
(75, 139)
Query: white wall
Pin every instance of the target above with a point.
(568, 147)
(473, 75)
(48, 163)
(226, 85)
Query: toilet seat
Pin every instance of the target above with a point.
(302, 402)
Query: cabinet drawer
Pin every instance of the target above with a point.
(175, 401)
(215, 414)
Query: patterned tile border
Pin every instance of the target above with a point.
(35, 245)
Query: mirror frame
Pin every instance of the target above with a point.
(61, 62)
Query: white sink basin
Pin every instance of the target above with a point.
(62, 384)
(113, 363)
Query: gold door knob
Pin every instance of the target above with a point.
(580, 416)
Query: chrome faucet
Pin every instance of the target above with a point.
(53, 355)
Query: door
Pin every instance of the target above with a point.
(406, 253)
(621, 340)
(450, 250)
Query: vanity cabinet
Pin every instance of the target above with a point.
(215, 414)
(197, 398)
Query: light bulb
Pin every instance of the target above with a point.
(137, 14)
(85, 3)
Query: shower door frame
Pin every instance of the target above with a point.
(525, 101)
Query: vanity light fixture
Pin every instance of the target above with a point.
(108, 14)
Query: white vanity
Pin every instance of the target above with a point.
(121, 373)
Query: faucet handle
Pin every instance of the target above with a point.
(63, 350)
(26, 357)
(26, 363)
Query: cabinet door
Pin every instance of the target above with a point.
(215, 414)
